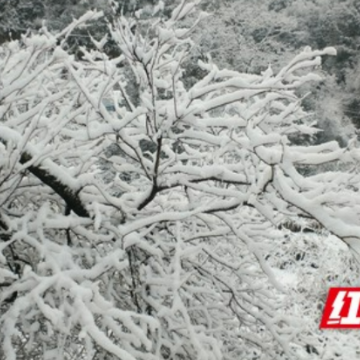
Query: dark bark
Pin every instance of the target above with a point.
(71, 198)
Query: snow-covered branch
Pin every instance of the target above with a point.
(137, 213)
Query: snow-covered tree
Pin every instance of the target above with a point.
(139, 226)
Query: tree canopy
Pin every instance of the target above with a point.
(144, 217)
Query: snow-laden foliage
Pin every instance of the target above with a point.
(307, 264)
(139, 225)
(249, 35)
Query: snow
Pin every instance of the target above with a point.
(180, 252)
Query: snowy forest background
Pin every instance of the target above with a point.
(164, 192)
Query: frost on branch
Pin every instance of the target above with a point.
(140, 229)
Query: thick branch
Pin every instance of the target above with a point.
(70, 197)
